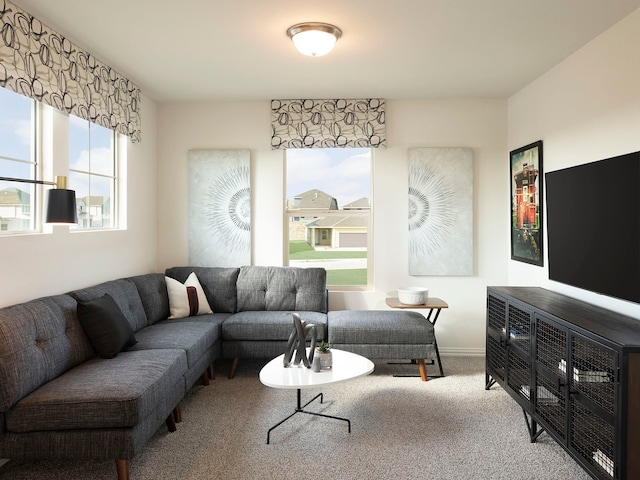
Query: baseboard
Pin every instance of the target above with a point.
(462, 352)
(3, 461)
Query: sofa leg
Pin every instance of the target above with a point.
(422, 369)
(212, 371)
(234, 365)
(122, 467)
(177, 414)
(171, 423)
(205, 378)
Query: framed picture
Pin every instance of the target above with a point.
(526, 204)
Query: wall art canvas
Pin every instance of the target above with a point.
(219, 208)
(440, 211)
(526, 204)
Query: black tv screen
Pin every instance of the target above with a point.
(593, 226)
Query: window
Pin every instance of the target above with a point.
(92, 173)
(328, 213)
(17, 160)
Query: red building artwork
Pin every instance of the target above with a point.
(526, 197)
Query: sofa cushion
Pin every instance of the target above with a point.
(106, 326)
(187, 299)
(100, 393)
(282, 289)
(195, 338)
(124, 293)
(219, 285)
(39, 340)
(152, 289)
(265, 326)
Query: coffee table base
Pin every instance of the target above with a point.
(300, 409)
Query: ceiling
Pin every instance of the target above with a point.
(237, 50)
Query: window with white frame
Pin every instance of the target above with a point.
(328, 213)
(92, 173)
(18, 136)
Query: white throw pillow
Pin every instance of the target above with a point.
(188, 299)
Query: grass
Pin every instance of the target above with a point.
(355, 276)
(301, 250)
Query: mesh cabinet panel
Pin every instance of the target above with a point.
(551, 346)
(496, 310)
(593, 438)
(519, 376)
(520, 328)
(593, 372)
(551, 350)
(550, 405)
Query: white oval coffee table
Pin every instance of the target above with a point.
(346, 366)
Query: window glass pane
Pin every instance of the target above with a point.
(328, 209)
(17, 134)
(16, 126)
(79, 143)
(101, 150)
(92, 173)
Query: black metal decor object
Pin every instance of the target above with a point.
(298, 343)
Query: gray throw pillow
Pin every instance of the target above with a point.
(106, 326)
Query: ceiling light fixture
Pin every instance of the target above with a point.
(313, 38)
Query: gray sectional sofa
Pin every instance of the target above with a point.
(59, 399)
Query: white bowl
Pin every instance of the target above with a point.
(413, 295)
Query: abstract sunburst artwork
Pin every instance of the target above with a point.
(219, 208)
(440, 211)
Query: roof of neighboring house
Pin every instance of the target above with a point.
(339, 222)
(313, 199)
(14, 196)
(360, 204)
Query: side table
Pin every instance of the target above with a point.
(433, 304)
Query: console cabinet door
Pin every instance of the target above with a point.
(518, 334)
(496, 359)
(552, 364)
(593, 404)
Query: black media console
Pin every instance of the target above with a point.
(574, 368)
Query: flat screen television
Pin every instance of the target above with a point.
(593, 226)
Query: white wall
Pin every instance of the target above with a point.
(478, 124)
(585, 109)
(56, 262)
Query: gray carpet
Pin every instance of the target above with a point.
(446, 428)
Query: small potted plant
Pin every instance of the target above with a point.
(323, 351)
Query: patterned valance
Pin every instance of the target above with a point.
(37, 62)
(337, 123)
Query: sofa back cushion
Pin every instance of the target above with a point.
(39, 340)
(153, 293)
(282, 288)
(218, 283)
(124, 292)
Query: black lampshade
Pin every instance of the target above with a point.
(61, 206)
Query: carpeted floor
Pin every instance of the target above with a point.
(446, 428)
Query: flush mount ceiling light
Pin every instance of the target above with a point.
(313, 38)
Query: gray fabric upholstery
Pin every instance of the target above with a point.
(379, 327)
(219, 285)
(388, 351)
(98, 444)
(39, 340)
(152, 289)
(265, 326)
(251, 349)
(194, 338)
(282, 289)
(102, 393)
(126, 296)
